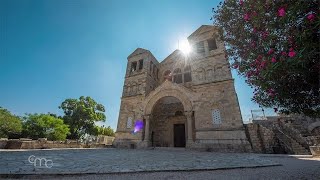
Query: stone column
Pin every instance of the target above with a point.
(189, 126)
(146, 128)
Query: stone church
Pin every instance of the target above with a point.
(186, 100)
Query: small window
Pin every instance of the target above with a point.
(129, 122)
(140, 64)
(200, 48)
(216, 118)
(212, 44)
(177, 77)
(133, 66)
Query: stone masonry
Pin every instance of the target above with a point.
(192, 91)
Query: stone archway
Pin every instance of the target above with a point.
(314, 128)
(168, 89)
(168, 124)
(151, 101)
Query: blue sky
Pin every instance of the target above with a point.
(51, 50)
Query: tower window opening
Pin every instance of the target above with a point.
(140, 64)
(212, 44)
(133, 66)
(200, 48)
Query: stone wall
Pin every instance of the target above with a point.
(262, 140)
(36, 144)
(44, 144)
(219, 96)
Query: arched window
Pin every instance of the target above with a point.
(129, 122)
(177, 76)
(212, 44)
(200, 74)
(187, 74)
(129, 90)
(209, 74)
(167, 75)
(178, 113)
(216, 118)
(134, 89)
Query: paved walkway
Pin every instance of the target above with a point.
(93, 161)
(292, 168)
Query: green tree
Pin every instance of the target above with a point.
(107, 131)
(81, 115)
(10, 125)
(44, 126)
(275, 46)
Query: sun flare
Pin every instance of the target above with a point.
(184, 46)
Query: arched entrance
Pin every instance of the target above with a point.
(155, 107)
(168, 124)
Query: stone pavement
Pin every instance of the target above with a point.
(95, 161)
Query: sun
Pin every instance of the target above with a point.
(184, 46)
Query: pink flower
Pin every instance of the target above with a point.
(270, 51)
(311, 17)
(246, 17)
(259, 57)
(273, 60)
(263, 64)
(281, 12)
(241, 2)
(236, 66)
(292, 54)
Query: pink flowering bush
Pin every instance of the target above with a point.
(275, 45)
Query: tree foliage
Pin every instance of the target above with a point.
(44, 126)
(10, 125)
(275, 45)
(81, 115)
(107, 131)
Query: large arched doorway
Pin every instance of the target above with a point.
(168, 124)
(167, 120)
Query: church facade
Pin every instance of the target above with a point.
(186, 100)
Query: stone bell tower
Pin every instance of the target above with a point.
(140, 79)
